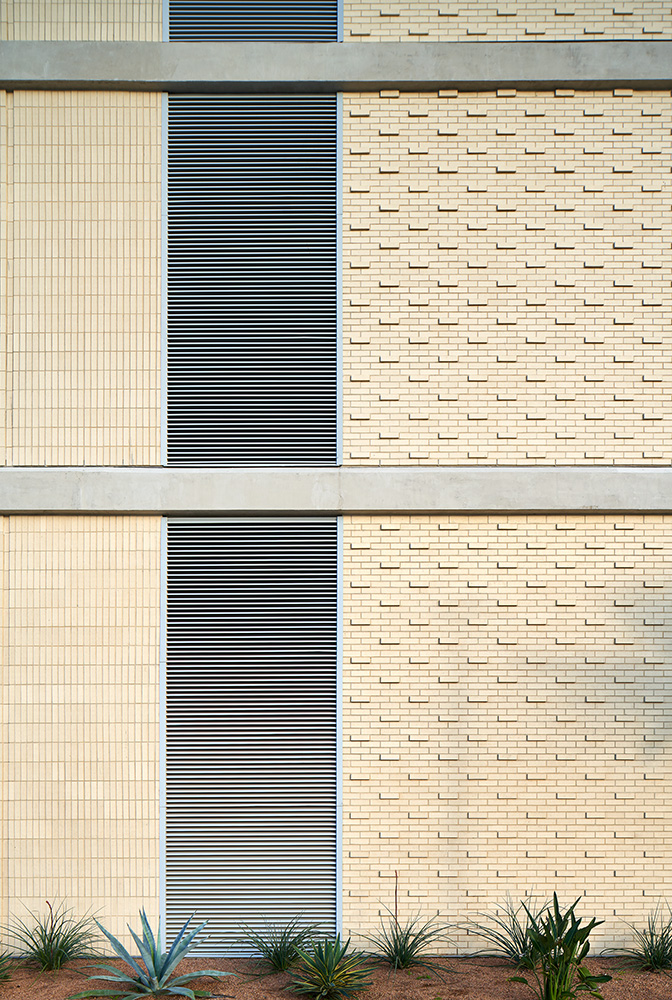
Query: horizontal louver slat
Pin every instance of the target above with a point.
(251, 280)
(222, 21)
(251, 648)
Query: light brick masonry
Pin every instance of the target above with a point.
(506, 298)
(507, 20)
(504, 714)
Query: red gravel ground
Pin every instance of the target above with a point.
(469, 978)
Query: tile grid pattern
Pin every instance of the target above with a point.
(83, 362)
(6, 234)
(505, 290)
(81, 21)
(508, 20)
(81, 693)
(504, 704)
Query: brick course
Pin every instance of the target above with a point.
(504, 703)
(505, 290)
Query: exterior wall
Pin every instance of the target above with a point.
(536, 20)
(81, 21)
(6, 140)
(504, 702)
(83, 343)
(81, 714)
(505, 291)
(505, 295)
(506, 20)
(504, 706)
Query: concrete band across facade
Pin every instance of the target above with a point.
(312, 67)
(462, 622)
(336, 491)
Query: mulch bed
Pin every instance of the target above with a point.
(470, 978)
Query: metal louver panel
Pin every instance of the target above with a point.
(226, 21)
(251, 725)
(252, 315)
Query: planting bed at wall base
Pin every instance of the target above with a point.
(468, 978)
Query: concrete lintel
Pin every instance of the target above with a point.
(322, 491)
(325, 67)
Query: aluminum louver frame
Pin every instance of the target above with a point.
(251, 280)
(251, 685)
(222, 21)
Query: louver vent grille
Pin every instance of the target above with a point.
(252, 280)
(219, 21)
(251, 724)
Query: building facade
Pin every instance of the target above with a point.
(426, 631)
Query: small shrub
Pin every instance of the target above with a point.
(328, 972)
(278, 947)
(404, 946)
(156, 978)
(55, 938)
(558, 947)
(653, 945)
(509, 931)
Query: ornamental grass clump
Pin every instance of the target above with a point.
(508, 931)
(404, 946)
(559, 944)
(652, 951)
(156, 979)
(6, 966)
(328, 972)
(52, 939)
(277, 947)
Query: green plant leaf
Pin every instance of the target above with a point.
(96, 993)
(122, 952)
(154, 944)
(55, 938)
(146, 955)
(180, 946)
(189, 976)
(404, 946)
(154, 981)
(276, 945)
(116, 974)
(652, 948)
(507, 931)
(329, 972)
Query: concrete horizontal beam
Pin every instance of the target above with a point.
(426, 490)
(326, 67)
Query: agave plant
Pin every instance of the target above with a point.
(155, 979)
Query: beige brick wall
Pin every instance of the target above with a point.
(505, 698)
(506, 298)
(507, 20)
(83, 340)
(81, 21)
(6, 195)
(81, 714)
(141, 20)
